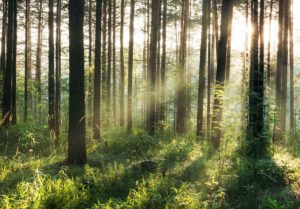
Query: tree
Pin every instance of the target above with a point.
(269, 45)
(181, 113)
(3, 43)
(14, 68)
(51, 76)
(27, 79)
(89, 94)
(76, 137)
(130, 65)
(227, 9)
(97, 74)
(7, 90)
(122, 66)
(114, 69)
(109, 64)
(58, 70)
(155, 18)
(203, 53)
(256, 145)
(39, 57)
(163, 62)
(291, 54)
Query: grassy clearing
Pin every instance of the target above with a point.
(139, 171)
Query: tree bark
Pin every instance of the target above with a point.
(155, 18)
(97, 74)
(58, 71)
(7, 91)
(3, 46)
(163, 62)
(130, 66)
(114, 69)
(76, 142)
(27, 79)
(51, 76)
(39, 59)
(227, 9)
(122, 66)
(203, 53)
(181, 114)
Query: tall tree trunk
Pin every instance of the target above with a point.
(7, 91)
(58, 71)
(51, 76)
(227, 9)
(163, 62)
(122, 66)
(283, 104)
(39, 59)
(14, 69)
(97, 74)
(104, 46)
(291, 54)
(210, 69)
(181, 87)
(130, 65)
(245, 79)
(109, 66)
(27, 59)
(158, 71)
(278, 127)
(90, 82)
(256, 146)
(228, 58)
(155, 18)
(77, 144)
(203, 53)
(114, 65)
(3, 46)
(269, 45)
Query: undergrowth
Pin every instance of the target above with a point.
(139, 171)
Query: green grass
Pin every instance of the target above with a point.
(139, 171)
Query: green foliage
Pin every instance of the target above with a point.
(139, 171)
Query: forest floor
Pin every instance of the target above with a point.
(139, 171)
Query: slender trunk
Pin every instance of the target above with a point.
(58, 71)
(256, 146)
(227, 9)
(210, 69)
(130, 66)
(291, 54)
(104, 45)
(3, 47)
(14, 69)
(39, 59)
(114, 64)
(163, 62)
(203, 53)
(90, 82)
(7, 96)
(155, 18)
(269, 46)
(181, 87)
(228, 58)
(158, 71)
(97, 74)
(27, 59)
(51, 76)
(122, 66)
(284, 69)
(77, 144)
(109, 66)
(278, 128)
